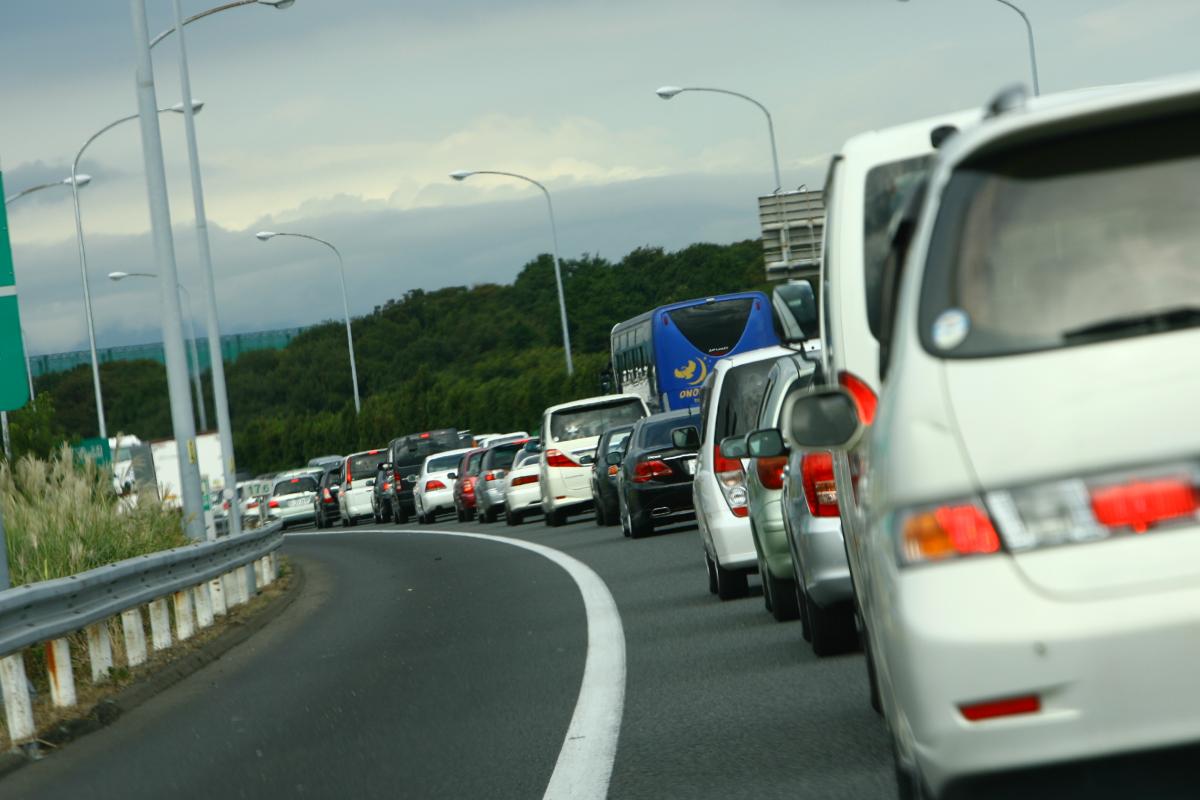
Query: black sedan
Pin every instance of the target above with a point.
(604, 474)
(654, 482)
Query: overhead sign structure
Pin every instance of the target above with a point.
(14, 388)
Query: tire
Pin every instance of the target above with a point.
(731, 584)
(376, 516)
(832, 629)
(872, 679)
(512, 518)
(489, 515)
(458, 514)
(623, 513)
(555, 517)
(782, 591)
(712, 573)
(802, 603)
(345, 521)
(401, 515)
(601, 517)
(640, 526)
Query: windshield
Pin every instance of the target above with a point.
(443, 463)
(1068, 242)
(713, 328)
(365, 464)
(580, 423)
(295, 486)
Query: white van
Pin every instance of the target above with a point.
(358, 482)
(569, 435)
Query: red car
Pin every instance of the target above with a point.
(464, 484)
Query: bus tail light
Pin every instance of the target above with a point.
(770, 471)
(820, 491)
(732, 480)
(557, 458)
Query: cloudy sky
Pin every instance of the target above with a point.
(342, 118)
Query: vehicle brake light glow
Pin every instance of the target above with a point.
(326, 495)
(433, 486)
(523, 480)
(1140, 504)
(295, 480)
(374, 452)
(645, 471)
(1007, 707)
(557, 458)
(820, 490)
(424, 435)
(613, 469)
(387, 487)
(947, 531)
(252, 504)
(865, 399)
(770, 471)
(273, 504)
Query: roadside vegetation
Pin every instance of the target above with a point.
(488, 357)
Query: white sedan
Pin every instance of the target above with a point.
(522, 488)
(434, 491)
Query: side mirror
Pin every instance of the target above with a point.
(686, 438)
(614, 458)
(766, 443)
(586, 459)
(823, 419)
(734, 447)
(452, 476)
(796, 308)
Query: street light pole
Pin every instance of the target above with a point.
(667, 92)
(164, 255)
(81, 180)
(187, 298)
(463, 174)
(87, 292)
(216, 356)
(266, 235)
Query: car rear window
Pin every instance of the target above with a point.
(365, 464)
(295, 486)
(473, 463)
(887, 188)
(713, 328)
(1068, 241)
(443, 463)
(741, 395)
(501, 456)
(582, 422)
(657, 433)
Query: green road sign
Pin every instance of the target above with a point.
(14, 390)
(95, 448)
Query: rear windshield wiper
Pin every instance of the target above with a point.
(1154, 322)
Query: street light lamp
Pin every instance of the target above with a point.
(120, 276)
(82, 180)
(1032, 49)
(267, 235)
(463, 174)
(216, 356)
(668, 92)
(75, 183)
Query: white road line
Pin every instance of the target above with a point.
(585, 762)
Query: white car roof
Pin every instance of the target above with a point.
(750, 356)
(592, 401)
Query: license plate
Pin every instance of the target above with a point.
(299, 501)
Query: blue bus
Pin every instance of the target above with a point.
(665, 355)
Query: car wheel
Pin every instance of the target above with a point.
(345, 522)
(556, 517)
(832, 629)
(601, 517)
(731, 584)
(639, 524)
(712, 573)
(872, 677)
(400, 517)
(783, 596)
(802, 604)
(623, 513)
(513, 517)
(766, 587)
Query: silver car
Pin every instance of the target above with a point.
(292, 496)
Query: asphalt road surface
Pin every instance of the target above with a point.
(417, 665)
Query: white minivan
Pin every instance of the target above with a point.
(358, 485)
(569, 435)
(1029, 523)
(729, 403)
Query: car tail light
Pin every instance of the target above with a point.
(433, 486)
(820, 491)
(613, 469)
(732, 480)
(645, 471)
(326, 495)
(770, 471)
(523, 480)
(1078, 510)
(398, 479)
(1030, 704)
(947, 531)
(252, 504)
(865, 399)
(469, 486)
(387, 487)
(225, 505)
(273, 504)
(557, 458)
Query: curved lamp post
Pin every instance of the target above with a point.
(463, 174)
(216, 356)
(668, 92)
(1032, 49)
(87, 294)
(266, 235)
(115, 277)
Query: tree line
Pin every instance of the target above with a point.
(487, 357)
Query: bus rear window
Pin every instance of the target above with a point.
(713, 328)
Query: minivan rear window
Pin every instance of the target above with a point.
(443, 463)
(501, 456)
(583, 422)
(364, 465)
(713, 328)
(1064, 242)
(741, 395)
(888, 187)
(295, 486)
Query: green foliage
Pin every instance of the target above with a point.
(36, 429)
(488, 357)
(61, 518)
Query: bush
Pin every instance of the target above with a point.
(62, 518)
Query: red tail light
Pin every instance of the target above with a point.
(387, 487)
(348, 477)
(557, 458)
(273, 504)
(468, 486)
(820, 491)
(1002, 708)
(326, 495)
(645, 471)
(523, 480)
(1140, 504)
(225, 505)
(252, 504)
(864, 398)
(947, 531)
(770, 471)
(732, 480)
(489, 475)
(613, 469)
(433, 486)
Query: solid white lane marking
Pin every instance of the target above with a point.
(585, 762)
